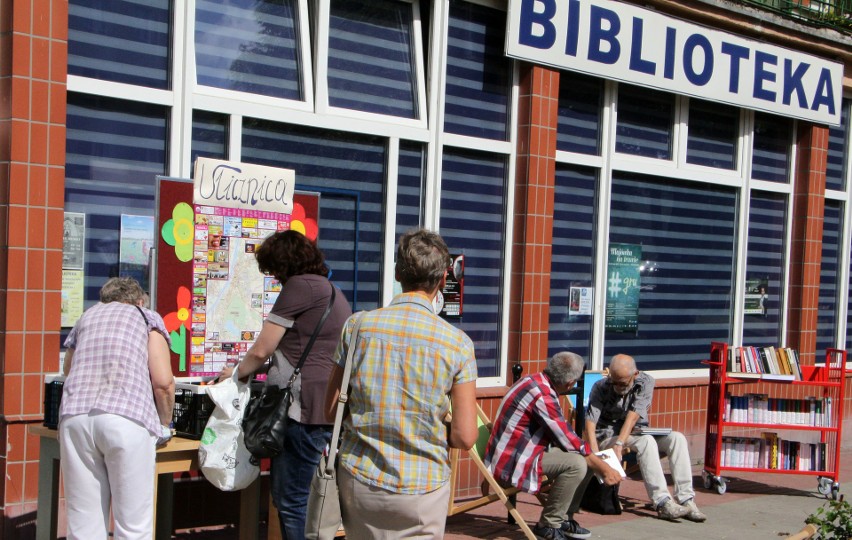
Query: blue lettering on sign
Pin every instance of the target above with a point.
(762, 75)
(636, 61)
(572, 38)
(598, 34)
(530, 19)
(737, 54)
(824, 92)
(793, 83)
(669, 66)
(693, 42)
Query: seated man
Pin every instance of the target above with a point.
(530, 438)
(617, 405)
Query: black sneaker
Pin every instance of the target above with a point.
(572, 529)
(548, 533)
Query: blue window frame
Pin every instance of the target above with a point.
(473, 203)
(827, 323)
(349, 173)
(409, 189)
(766, 225)
(579, 127)
(478, 73)
(771, 159)
(687, 233)
(838, 139)
(122, 41)
(573, 262)
(713, 134)
(645, 122)
(370, 57)
(249, 46)
(209, 136)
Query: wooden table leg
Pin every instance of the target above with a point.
(250, 511)
(48, 489)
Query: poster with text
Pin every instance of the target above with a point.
(73, 240)
(756, 296)
(453, 293)
(580, 300)
(622, 288)
(135, 242)
(72, 297)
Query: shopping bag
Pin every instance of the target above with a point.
(323, 518)
(601, 498)
(222, 454)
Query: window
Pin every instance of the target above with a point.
(370, 57)
(771, 159)
(765, 259)
(209, 136)
(349, 173)
(686, 233)
(579, 128)
(473, 194)
(713, 134)
(573, 264)
(409, 189)
(837, 141)
(645, 121)
(249, 46)
(120, 40)
(828, 279)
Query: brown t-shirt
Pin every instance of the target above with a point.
(299, 308)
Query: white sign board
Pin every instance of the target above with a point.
(627, 43)
(243, 186)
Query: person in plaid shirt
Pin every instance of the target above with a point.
(530, 439)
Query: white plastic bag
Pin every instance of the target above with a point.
(222, 455)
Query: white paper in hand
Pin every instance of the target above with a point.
(609, 457)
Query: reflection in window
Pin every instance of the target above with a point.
(209, 136)
(249, 46)
(409, 189)
(645, 122)
(370, 57)
(828, 279)
(687, 236)
(837, 141)
(713, 133)
(122, 41)
(478, 79)
(766, 223)
(115, 149)
(572, 271)
(579, 113)
(772, 135)
(349, 173)
(473, 203)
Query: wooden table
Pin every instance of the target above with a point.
(178, 455)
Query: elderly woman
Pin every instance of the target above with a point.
(298, 264)
(116, 406)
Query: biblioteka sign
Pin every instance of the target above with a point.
(638, 46)
(243, 186)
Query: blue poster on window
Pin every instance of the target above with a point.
(622, 288)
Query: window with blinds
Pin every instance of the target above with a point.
(836, 160)
(209, 136)
(114, 151)
(573, 262)
(771, 148)
(409, 188)
(644, 126)
(478, 73)
(349, 173)
(765, 261)
(249, 46)
(579, 125)
(370, 57)
(827, 323)
(473, 206)
(712, 136)
(123, 41)
(687, 233)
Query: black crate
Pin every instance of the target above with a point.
(192, 410)
(52, 398)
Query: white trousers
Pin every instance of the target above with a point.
(106, 456)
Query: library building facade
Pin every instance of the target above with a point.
(646, 178)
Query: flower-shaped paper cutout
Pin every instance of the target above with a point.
(303, 224)
(180, 231)
(177, 324)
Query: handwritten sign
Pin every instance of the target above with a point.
(243, 186)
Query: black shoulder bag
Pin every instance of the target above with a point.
(265, 419)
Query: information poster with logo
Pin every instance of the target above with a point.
(622, 288)
(453, 293)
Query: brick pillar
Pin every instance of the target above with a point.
(33, 64)
(533, 217)
(806, 252)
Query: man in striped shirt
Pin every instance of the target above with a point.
(531, 439)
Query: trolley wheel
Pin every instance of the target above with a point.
(721, 486)
(824, 486)
(835, 491)
(708, 481)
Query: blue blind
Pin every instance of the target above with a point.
(115, 149)
(370, 59)
(209, 136)
(837, 143)
(573, 263)
(122, 41)
(713, 134)
(579, 113)
(349, 173)
(478, 72)
(249, 46)
(687, 233)
(767, 217)
(409, 189)
(473, 203)
(828, 279)
(771, 159)
(645, 122)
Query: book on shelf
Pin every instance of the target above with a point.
(769, 363)
(648, 430)
(608, 456)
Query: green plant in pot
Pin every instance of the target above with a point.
(832, 520)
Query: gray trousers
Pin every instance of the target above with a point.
(569, 474)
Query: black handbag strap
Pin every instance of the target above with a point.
(313, 337)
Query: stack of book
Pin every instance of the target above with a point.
(771, 452)
(762, 409)
(773, 363)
